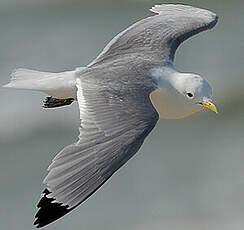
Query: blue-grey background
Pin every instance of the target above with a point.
(189, 174)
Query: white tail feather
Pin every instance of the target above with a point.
(60, 85)
(28, 74)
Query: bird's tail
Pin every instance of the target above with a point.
(60, 86)
(54, 84)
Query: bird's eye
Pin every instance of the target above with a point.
(190, 95)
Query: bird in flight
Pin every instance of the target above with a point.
(121, 95)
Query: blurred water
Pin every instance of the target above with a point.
(189, 173)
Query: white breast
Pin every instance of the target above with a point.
(171, 105)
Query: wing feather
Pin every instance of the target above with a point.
(156, 38)
(112, 130)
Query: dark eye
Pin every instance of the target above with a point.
(190, 95)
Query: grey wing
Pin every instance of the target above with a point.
(112, 131)
(156, 38)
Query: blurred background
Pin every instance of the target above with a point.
(189, 174)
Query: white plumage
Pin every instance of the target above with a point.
(121, 95)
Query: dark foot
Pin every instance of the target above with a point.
(51, 102)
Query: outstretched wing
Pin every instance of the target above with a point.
(114, 125)
(156, 38)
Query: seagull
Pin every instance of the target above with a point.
(121, 96)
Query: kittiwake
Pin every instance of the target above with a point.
(121, 95)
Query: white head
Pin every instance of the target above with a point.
(181, 94)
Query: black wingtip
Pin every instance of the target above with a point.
(49, 211)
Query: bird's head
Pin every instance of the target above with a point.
(195, 90)
(182, 94)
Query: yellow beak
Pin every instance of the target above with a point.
(210, 105)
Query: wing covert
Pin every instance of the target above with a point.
(156, 38)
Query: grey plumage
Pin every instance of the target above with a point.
(156, 38)
(115, 110)
(113, 128)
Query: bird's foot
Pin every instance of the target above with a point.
(51, 102)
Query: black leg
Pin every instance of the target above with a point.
(51, 102)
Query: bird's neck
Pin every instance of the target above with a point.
(168, 101)
(164, 74)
